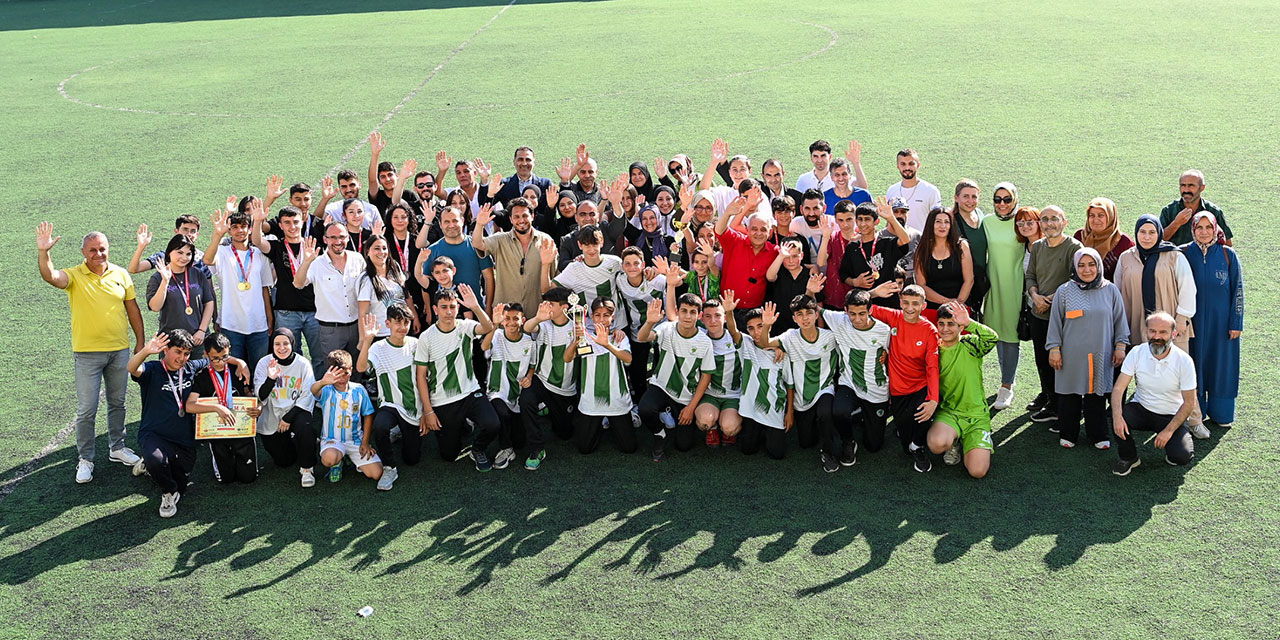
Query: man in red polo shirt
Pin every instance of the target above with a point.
(747, 256)
(913, 370)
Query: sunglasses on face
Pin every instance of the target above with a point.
(1004, 200)
(426, 185)
(1027, 223)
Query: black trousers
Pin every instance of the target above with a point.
(654, 402)
(511, 426)
(873, 417)
(1179, 449)
(168, 464)
(754, 434)
(815, 426)
(1094, 408)
(638, 370)
(588, 432)
(453, 425)
(297, 446)
(1039, 335)
(903, 409)
(384, 420)
(557, 405)
(234, 460)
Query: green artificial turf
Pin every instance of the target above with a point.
(168, 108)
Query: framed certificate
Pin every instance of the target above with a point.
(209, 426)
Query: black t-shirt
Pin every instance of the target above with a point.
(313, 227)
(382, 201)
(161, 415)
(203, 386)
(288, 297)
(880, 255)
(358, 243)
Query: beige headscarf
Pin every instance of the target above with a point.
(1105, 241)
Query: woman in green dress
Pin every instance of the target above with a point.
(1005, 253)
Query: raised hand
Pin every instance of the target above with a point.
(221, 222)
(443, 162)
(376, 143)
(327, 188)
(960, 313)
(482, 169)
(552, 195)
(275, 187)
(885, 289)
(661, 265)
(379, 228)
(686, 198)
(649, 273)
(162, 268)
(331, 376)
(654, 314)
(825, 225)
(882, 208)
(408, 169)
(769, 314)
(660, 167)
(565, 170)
(736, 208)
(719, 152)
(544, 311)
(144, 236)
(816, 282)
(231, 205)
(706, 247)
(157, 343)
(547, 251)
(754, 198)
(583, 154)
(728, 300)
(854, 153)
(368, 327)
(485, 214)
(468, 297)
(273, 369)
(309, 251)
(607, 191)
(258, 211)
(495, 185)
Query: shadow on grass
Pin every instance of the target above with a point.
(61, 14)
(636, 512)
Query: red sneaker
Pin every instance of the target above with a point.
(713, 437)
(729, 441)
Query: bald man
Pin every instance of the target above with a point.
(1176, 216)
(103, 310)
(1162, 400)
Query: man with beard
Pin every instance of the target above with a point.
(588, 213)
(919, 195)
(1176, 216)
(585, 188)
(472, 269)
(1163, 398)
(843, 189)
(386, 187)
(517, 261)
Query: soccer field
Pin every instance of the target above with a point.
(131, 112)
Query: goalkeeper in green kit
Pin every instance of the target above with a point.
(962, 420)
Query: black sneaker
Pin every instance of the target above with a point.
(1123, 467)
(1045, 414)
(658, 450)
(1037, 402)
(920, 460)
(829, 463)
(849, 455)
(482, 461)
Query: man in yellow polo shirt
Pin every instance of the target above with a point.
(102, 311)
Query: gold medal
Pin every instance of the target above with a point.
(244, 286)
(188, 310)
(875, 275)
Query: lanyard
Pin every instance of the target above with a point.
(703, 282)
(222, 387)
(176, 389)
(243, 266)
(293, 265)
(404, 252)
(185, 290)
(862, 248)
(358, 241)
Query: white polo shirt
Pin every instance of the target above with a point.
(335, 290)
(1160, 382)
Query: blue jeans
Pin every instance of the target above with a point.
(92, 368)
(250, 347)
(301, 323)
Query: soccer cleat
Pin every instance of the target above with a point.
(168, 505)
(504, 458)
(308, 478)
(1123, 467)
(829, 462)
(920, 460)
(953, 455)
(463, 453)
(1037, 402)
(849, 454)
(1046, 414)
(1102, 446)
(335, 472)
(84, 471)
(729, 440)
(139, 469)
(389, 475)
(713, 438)
(482, 461)
(125, 456)
(1004, 398)
(534, 461)
(1200, 431)
(1066, 444)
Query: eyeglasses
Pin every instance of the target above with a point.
(219, 358)
(1053, 220)
(1026, 223)
(1004, 200)
(702, 207)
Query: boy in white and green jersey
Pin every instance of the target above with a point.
(593, 276)
(602, 380)
(446, 380)
(814, 360)
(717, 414)
(389, 364)
(767, 394)
(554, 383)
(511, 353)
(681, 373)
(864, 375)
(637, 286)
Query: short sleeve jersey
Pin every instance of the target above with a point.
(447, 357)
(634, 301)
(864, 355)
(392, 368)
(603, 381)
(509, 360)
(556, 375)
(813, 365)
(726, 380)
(764, 385)
(343, 412)
(593, 282)
(163, 393)
(680, 361)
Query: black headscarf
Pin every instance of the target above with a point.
(1148, 264)
(646, 189)
(293, 345)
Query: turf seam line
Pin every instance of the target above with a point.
(414, 93)
(53, 444)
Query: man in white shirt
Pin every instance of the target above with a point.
(920, 196)
(334, 275)
(348, 187)
(820, 177)
(1162, 401)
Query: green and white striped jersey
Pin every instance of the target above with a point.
(447, 357)
(393, 369)
(556, 374)
(634, 301)
(602, 378)
(509, 360)
(726, 380)
(813, 365)
(593, 282)
(864, 356)
(680, 361)
(764, 385)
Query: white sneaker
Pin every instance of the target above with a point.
(1066, 444)
(395, 433)
(168, 505)
(389, 475)
(125, 456)
(668, 420)
(1004, 398)
(139, 469)
(1200, 431)
(953, 455)
(504, 458)
(84, 471)
(1104, 445)
(308, 478)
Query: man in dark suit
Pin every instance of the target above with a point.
(514, 185)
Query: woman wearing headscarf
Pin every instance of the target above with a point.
(668, 205)
(1088, 336)
(1155, 276)
(1218, 321)
(563, 218)
(638, 174)
(678, 172)
(649, 235)
(1005, 273)
(283, 381)
(1101, 232)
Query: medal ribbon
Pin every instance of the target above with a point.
(243, 266)
(222, 387)
(176, 389)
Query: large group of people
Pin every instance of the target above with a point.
(663, 308)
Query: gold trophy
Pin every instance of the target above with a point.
(579, 315)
